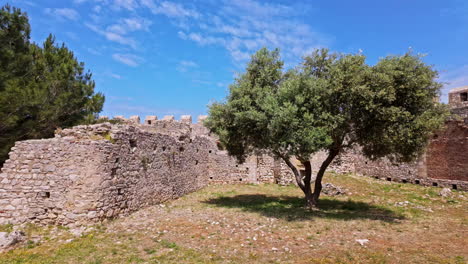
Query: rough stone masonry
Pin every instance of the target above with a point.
(89, 173)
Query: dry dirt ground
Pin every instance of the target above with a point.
(395, 223)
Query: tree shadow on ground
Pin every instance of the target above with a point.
(291, 208)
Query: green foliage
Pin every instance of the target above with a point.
(41, 87)
(331, 101)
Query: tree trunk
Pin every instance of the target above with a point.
(296, 173)
(303, 182)
(309, 199)
(318, 180)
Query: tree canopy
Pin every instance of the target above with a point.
(330, 102)
(42, 87)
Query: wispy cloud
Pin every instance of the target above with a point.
(170, 9)
(63, 13)
(127, 25)
(244, 26)
(186, 65)
(128, 59)
(126, 4)
(239, 26)
(112, 36)
(115, 76)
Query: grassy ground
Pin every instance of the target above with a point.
(267, 224)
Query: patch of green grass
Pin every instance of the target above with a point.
(150, 250)
(168, 244)
(6, 228)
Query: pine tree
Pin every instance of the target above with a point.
(42, 88)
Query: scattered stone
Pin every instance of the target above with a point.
(274, 249)
(78, 231)
(362, 242)
(402, 204)
(332, 190)
(10, 239)
(445, 192)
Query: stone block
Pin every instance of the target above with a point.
(150, 120)
(168, 118)
(186, 119)
(134, 119)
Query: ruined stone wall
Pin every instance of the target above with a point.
(447, 155)
(458, 102)
(100, 171)
(443, 164)
(50, 180)
(88, 173)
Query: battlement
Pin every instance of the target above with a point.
(152, 119)
(458, 101)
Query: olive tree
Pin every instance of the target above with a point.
(330, 102)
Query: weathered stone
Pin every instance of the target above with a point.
(10, 239)
(332, 190)
(445, 192)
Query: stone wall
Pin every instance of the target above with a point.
(458, 101)
(443, 164)
(88, 173)
(100, 171)
(448, 152)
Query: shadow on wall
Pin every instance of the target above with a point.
(291, 208)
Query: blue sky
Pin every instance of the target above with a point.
(153, 57)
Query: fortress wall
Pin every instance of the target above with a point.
(88, 173)
(147, 168)
(50, 181)
(99, 171)
(448, 152)
(443, 164)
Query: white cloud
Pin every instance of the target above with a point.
(170, 9)
(127, 59)
(126, 4)
(115, 76)
(258, 9)
(63, 13)
(200, 39)
(112, 36)
(241, 27)
(186, 65)
(244, 26)
(130, 24)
